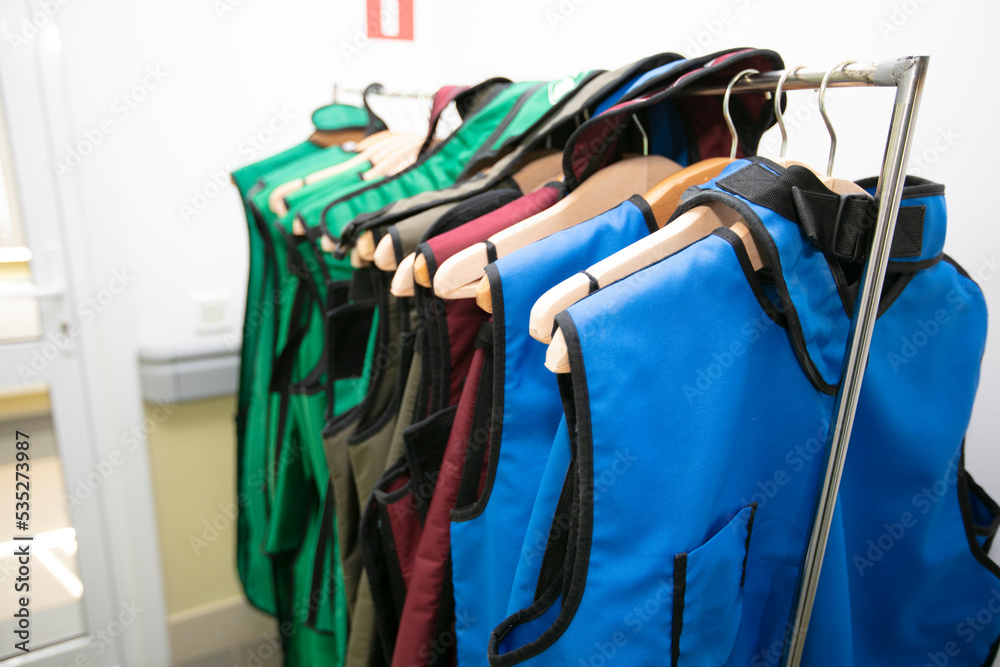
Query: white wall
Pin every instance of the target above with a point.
(232, 67)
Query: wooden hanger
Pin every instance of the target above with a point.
(609, 186)
(539, 172)
(663, 199)
(372, 139)
(356, 261)
(365, 245)
(689, 228)
(666, 196)
(377, 146)
(328, 138)
(542, 167)
(400, 157)
(385, 254)
(401, 285)
(684, 231)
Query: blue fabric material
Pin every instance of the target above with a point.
(537, 536)
(486, 543)
(935, 226)
(725, 412)
(667, 136)
(906, 553)
(634, 85)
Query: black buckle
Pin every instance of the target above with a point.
(860, 244)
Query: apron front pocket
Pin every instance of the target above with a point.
(708, 595)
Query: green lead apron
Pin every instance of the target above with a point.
(254, 571)
(261, 339)
(329, 118)
(295, 475)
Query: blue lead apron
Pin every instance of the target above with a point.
(526, 405)
(734, 383)
(900, 584)
(487, 532)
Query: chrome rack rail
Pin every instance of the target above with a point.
(907, 75)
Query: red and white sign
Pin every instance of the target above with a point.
(390, 19)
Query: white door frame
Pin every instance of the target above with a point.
(93, 382)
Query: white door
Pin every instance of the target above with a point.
(53, 477)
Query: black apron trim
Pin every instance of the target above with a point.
(479, 434)
(769, 252)
(647, 212)
(677, 620)
(580, 532)
(495, 414)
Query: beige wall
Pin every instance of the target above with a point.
(192, 451)
(193, 460)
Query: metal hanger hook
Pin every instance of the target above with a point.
(778, 114)
(826, 116)
(725, 109)
(645, 137)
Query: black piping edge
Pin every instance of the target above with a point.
(397, 243)
(470, 512)
(485, 150)
(682, 77)
(961, 270)
(843, 288)
(425, 249)
(988, 531)
(746, 545)
(991, 657)
(391, 497)
(572, 594)
(892, 290)
(316, 588)
(968, 521)
(897, 266)
(753, 281)
(677, 617)
(270, 262)
(914, 187)
(769, 250)
(647, 212)
(313, 378)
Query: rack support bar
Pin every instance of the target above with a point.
(909, 74)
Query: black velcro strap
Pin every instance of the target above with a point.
(839, 225)
(491, 251)
(594, 285)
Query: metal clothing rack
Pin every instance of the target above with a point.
(907, 75)
(415, 106)
(379, 90)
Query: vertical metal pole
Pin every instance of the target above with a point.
(890, 189)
